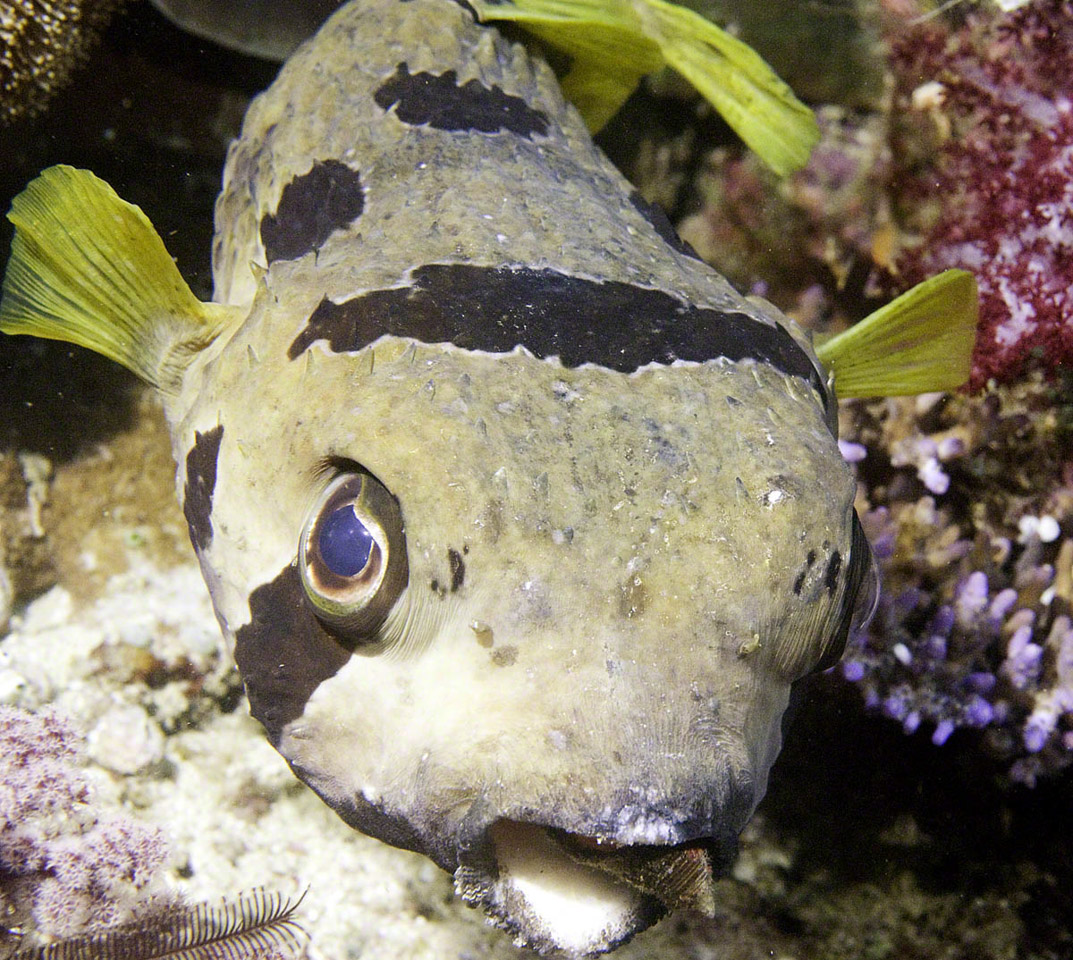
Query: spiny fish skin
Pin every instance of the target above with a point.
(466, 301)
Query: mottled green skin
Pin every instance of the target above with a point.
(624, 552)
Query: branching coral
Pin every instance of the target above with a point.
(986, 152)
(969, 505)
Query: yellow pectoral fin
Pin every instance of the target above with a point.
(88, 268)
(597, 94)
(919, 343)
(760, 108)
(607, 63)
(622, 40)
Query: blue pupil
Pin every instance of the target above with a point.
(345, 543)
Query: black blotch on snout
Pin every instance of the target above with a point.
(284, 653)
(799, 580)
(830, 575)
(440, 101)
(311, 207)
(200, 485)
(458, 569)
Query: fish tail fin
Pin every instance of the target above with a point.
(919, 343)
(613, 43)
(88, 268)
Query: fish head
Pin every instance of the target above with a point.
(537, 622)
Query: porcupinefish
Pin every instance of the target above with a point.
(520, 521)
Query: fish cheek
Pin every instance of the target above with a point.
(284, 654)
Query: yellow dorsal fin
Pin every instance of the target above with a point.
(919, 343)
(88, 268)
(613, 43)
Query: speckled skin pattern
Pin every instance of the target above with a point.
(615, 575)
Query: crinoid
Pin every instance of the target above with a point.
(256, 926)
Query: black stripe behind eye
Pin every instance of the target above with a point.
(612, 324)
(201, 485)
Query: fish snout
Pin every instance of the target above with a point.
(588, 889)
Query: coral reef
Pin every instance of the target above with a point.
(984, 142)
(93, 878)
(64, 867)
(968, 502)
(26, 567)
(799, 232)
(142, 661)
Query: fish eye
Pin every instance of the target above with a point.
(346, 546)
(867, 599)
(352, 556)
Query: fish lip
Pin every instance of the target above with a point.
(526, 875)
(629, 823)
(548, 900)
(679, 876)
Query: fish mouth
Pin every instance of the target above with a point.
(582, 895)
(680, 876)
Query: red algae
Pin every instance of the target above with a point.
(985, 146)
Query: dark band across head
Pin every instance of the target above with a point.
(607, 323)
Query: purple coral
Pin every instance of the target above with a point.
(980, 661)
(938, 672)
(63, 868)
(999, 96)
(974, 628)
